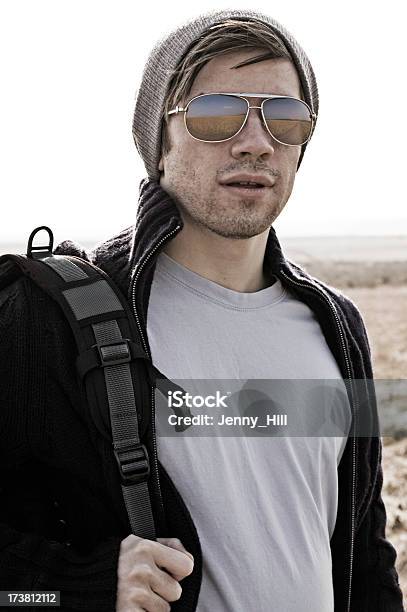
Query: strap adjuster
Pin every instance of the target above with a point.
(133, 462)
(114, 353)
(99, 355)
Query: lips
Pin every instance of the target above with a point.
(247, 181)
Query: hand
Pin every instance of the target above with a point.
(149, 574)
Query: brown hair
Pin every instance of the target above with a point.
(231, 35)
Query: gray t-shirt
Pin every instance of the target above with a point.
(264, 507)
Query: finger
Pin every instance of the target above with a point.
(155, 603)
(177, 563)
(165, 586)
(176, 544)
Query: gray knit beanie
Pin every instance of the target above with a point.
(164, 59)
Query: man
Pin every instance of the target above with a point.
(226, 107)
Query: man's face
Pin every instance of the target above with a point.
(194, 172)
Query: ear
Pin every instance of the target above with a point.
(161, 164)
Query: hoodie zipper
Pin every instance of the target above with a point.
(145, 345)
(347, 361)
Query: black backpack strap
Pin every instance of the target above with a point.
(105, 334)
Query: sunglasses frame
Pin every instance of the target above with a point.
(244, 96)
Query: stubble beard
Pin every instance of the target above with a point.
(208, 213)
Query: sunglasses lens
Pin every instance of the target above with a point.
(288, 120)
(215, 117)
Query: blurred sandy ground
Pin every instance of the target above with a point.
(384, 309)
(373, 274)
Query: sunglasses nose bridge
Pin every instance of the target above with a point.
(246, 117)
(261, 116)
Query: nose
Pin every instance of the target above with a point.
(253, 140)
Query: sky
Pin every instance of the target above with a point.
(69, 74)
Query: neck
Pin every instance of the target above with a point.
(232, 263)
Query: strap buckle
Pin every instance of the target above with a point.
(133, 461)
(114, 353)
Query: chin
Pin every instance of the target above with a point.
(240, 231)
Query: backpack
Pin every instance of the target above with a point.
(108, 350)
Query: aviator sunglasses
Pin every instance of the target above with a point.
(216, 117)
